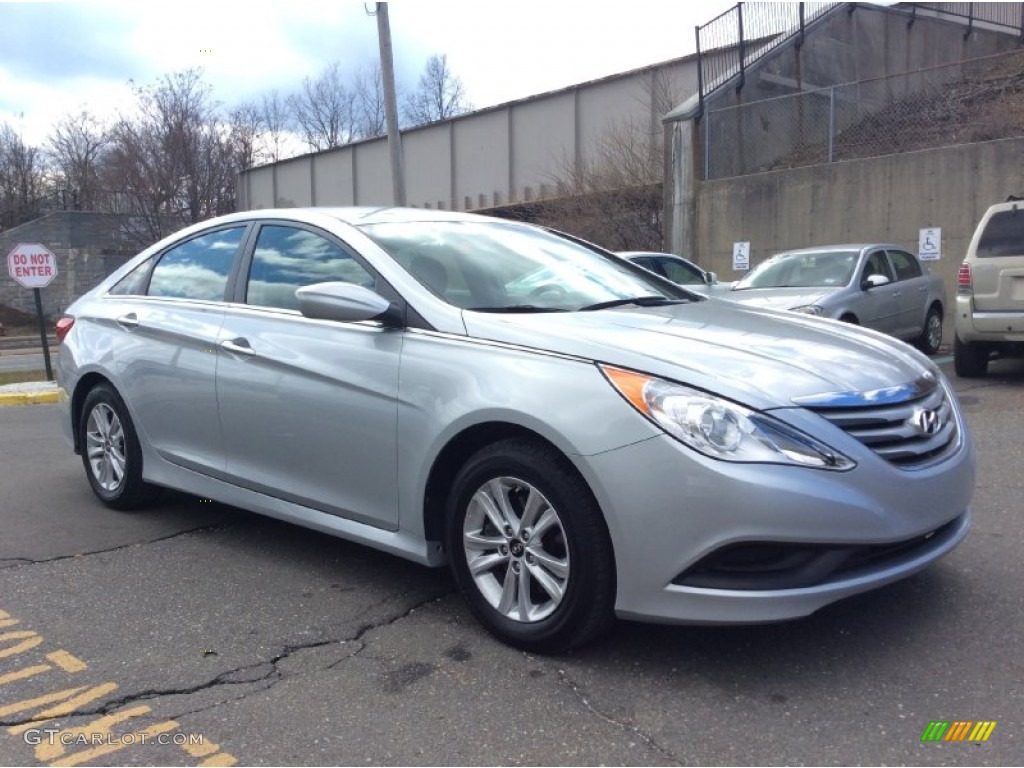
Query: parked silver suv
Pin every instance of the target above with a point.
(990, 291)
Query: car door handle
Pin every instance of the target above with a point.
(238, 347)
(129, 322)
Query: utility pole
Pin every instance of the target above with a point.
(387, 71)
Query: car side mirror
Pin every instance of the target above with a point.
(345, 303)
(712, 278)
(873, 281)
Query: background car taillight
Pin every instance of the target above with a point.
(963, 279)
(63, 326)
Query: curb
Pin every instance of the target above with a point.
(28, 398)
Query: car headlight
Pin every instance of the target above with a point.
(719, 428)
(808, 309)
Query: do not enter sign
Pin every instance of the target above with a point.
(32, 265)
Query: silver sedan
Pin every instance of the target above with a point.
(878, 286)
(576, 438)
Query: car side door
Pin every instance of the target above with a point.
(308, 407)
(165, 318)
(914, 287)
(877, 306)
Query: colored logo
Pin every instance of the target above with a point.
(958, 730)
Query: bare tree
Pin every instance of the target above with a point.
(76, 146)
(21, 179)
(246, 135)
(613, 194)
(369, 92)
(325, 109)
(276, 119)
(172, 161)
(439, 95)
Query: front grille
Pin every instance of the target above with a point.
(909, 434)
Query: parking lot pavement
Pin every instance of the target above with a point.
(238, 638)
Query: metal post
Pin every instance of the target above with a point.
(705, 124)
(970, 20)
(42, 334)
(800, 41)
(700, 72)
(742, 47)
(387, 71)
(831, 123)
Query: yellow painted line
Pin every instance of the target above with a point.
(51, 750)
(140, 737)
(21, 674)
(29, 398)
(6, 620)
(201, 750)
(65, 708)
(29, 640)
(222, 759)
(67, 662)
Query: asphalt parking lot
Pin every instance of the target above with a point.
(234, 638)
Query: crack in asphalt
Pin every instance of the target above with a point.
(272, 676)
(634, 729)
(24, 562)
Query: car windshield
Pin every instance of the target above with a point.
(808, 269)
(498, 267)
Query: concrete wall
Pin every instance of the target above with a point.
(497, 156)
(88, 247)
(882, 199)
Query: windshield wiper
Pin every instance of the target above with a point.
(640, 301)
(517, 308)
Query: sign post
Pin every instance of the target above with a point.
(33, 266)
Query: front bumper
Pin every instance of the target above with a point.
(668, 508)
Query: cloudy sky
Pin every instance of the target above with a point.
(61, 57)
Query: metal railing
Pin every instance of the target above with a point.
(1006, 15)
(734, 40)
(969, 101)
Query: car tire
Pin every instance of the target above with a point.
(970, 361)
(529, 548)
(931, 336)
(111, 453)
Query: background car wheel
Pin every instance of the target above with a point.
(851, 319)
(931, 336)
(529, 547)
(111, 453)
(970, 361)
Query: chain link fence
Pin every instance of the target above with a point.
(970, 101)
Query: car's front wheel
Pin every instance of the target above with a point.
(111, 452)
(970, 361)
(529, 547)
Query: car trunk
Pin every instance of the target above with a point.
(998, 272)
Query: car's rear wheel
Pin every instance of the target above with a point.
(931, 337)
(970, 361)
(111, 452)
(529, 547)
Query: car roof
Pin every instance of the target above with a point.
(841, 247)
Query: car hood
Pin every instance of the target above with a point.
(759, 357)
(778, 298)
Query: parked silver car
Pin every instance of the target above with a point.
(595, 443)
(878, 286)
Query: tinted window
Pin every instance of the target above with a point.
(287, 258)
(1003, 235)
(680, 272)
(197, 269)
(906, 266)
(134, 283)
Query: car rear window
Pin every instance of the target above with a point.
(1003, 235)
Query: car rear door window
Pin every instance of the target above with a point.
(287, 258)
(906, 266)
(1003, 235)
(198, 268)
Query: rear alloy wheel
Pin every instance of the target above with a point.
(111, 452)
(970, 361)
(529, 548)
(931, 337)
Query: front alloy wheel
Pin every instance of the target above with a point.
(104, 448)
(515, 548)
(529, 548)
